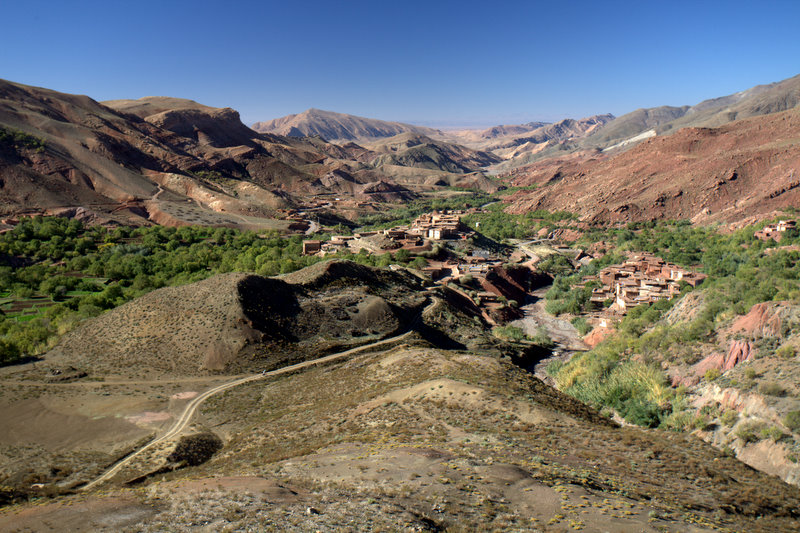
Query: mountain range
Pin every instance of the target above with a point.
(521, 144)
(175, 161)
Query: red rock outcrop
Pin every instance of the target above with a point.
(738, 352)
(763, 320)
(566, 235)
(598, 335)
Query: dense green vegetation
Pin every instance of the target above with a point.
(497, 224)
(19, 139)
(64, 272)
(624, 372)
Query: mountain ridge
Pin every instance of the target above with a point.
(334, 126)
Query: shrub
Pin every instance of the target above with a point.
(751, 431)
(771, 388)
(792, 421)
(774, 433)
(509, 332)
(581, 325)
(542, 338)
(701, 422)
(786, 352)
(196, 449)
(555, 264)
(712, 374)
(729, 418)
(9, 351)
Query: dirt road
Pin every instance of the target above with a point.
(183, 421)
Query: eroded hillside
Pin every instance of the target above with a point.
(732, 173)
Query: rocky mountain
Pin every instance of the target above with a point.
(475, 136)
(519, 149)
(633, 124)
(756, 101)
(506, 130)
(142, 163)
(736, 172)
(624, 132)
(419, 151)
(639, 124)
(167, 160)
(333, 126)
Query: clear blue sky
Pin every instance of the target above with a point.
(432, 62)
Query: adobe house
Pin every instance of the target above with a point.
(311, 247)
(438, 225)
(775, 231)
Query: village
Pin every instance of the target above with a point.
(642, 279)
(497, 283)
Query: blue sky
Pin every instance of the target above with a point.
(442, 63)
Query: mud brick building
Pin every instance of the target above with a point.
(775, 231)
(438, 225)
(643, 279)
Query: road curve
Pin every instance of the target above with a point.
(183, 421)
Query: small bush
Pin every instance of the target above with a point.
(751, 431)
(196, 449)
(701, 422)
(542, 338)
(771, 388)
(773, 433)
(750, 373)
(581, 325)
(712, 374)
(786, 352)
(729, 418)
(792, 421)
(509, 332)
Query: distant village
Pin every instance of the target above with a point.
(643, 279)
(418, 237)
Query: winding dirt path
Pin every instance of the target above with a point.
(183, 421)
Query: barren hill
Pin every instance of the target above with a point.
(333, 126)
(412, 438)
(508, 130)
(633, 124)
(415, 150)
(740, 170)
(623, 132)
(235, 322)
(519, 149)
(93, 158)
(163, 160)
(756, 101)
